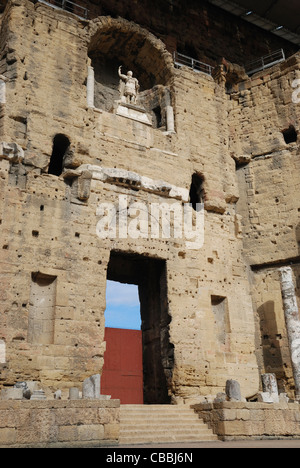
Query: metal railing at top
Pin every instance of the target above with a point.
(265, 62)
(69, 6)
(181, 60)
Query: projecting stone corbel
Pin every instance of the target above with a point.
(241, 159)
(11, 151)
(80, 183)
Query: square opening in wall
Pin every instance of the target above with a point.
(290, 135)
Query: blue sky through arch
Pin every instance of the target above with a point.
(122, 306)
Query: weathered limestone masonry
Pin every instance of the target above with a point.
(240, 420)
(67, 424)
(265, 145)
(49, 228)
(209, 314)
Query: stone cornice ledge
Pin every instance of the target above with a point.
(130, 179)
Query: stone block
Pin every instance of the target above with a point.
(269, 383)
(266, 397)
(67, 433)
(38, 395)
(111, 431)
(11, 151)
(7, 436)
(74, 393)
(233, 390)
(12, 393)
(92, 432)
(133, 112)
(91, 387)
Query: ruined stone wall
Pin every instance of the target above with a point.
(59, 424)
(265, 143)
(198, 29)
(49, 222)
(262, 111)
(237, 421)
(50, 248)
(272, 340)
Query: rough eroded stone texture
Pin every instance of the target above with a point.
(233, 421)
(42, 424)
(213, 313)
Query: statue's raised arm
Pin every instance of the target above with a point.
(123, 77)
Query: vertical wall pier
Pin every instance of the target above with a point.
(292, 319)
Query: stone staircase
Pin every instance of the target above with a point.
(140, 424)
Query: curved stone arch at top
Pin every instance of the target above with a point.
(135, 47)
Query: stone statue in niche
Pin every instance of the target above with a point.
(129, 87)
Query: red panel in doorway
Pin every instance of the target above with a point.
(122, 375)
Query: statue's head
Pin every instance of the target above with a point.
(130, 74)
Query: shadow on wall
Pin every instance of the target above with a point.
(272, 342)
(298, 235)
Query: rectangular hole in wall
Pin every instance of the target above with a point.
(157, 117)
(147, 276)
(42, 309)
(220, 311)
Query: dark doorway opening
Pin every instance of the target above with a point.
(157, 117)
(60, 146)
(197, 192)
(157, 351)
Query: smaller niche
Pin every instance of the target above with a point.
(290, 135)
(220, 311)
(61, 144)
(197, 192)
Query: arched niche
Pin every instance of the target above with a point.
(197, 191)
(61, 145)
(115, 42)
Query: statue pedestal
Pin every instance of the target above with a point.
(133, 112)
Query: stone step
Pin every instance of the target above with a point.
(157, 407)
(156, 411)
(186, 425)
(160, 420)
(132, 436)
(163, 426)
(157, 414)
(164, 438)
(161, 423)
